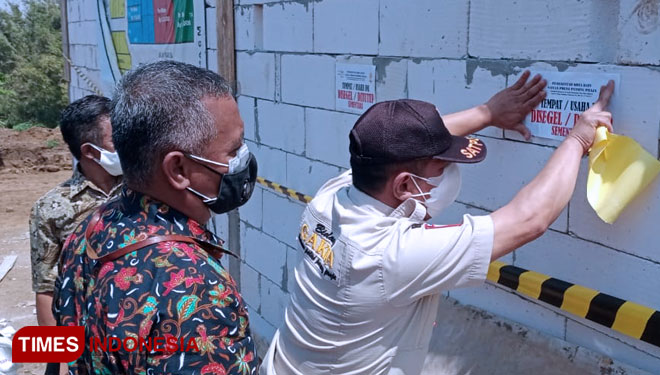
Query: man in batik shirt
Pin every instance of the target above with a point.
(142, 270)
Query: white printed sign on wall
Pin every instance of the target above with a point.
(356, 87)
(568, 95)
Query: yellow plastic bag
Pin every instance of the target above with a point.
(619, 169)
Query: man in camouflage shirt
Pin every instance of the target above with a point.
(85, 126)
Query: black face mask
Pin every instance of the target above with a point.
(235, 188)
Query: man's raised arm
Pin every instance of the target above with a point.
(538, 204)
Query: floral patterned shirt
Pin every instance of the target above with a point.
(165, 291)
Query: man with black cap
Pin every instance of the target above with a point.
(367, 290)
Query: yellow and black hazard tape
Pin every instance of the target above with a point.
(284, 190)
(629, 318)
(84, 77)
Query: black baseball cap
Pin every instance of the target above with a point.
(404, 130)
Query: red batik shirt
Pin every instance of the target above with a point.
(168, 290)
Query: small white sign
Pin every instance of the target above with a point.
(568, 95)
(356, 87)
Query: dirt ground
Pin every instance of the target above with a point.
(25, 161)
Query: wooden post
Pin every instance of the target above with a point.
(226, 50)
(227, 69)
(64, 20)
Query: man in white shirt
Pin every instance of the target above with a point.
(367, 289)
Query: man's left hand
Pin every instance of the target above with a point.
(509, 107)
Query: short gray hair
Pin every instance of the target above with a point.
(157, 108)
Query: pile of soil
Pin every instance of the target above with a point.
(33, 150)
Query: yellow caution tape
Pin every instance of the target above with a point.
(619, 169)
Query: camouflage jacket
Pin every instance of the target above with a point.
(53, 217)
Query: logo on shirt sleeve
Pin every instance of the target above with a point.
(317, 246)
(434, 226)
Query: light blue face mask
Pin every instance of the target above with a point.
(108, 160)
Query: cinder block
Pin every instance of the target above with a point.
(83, 56)
(639, 33)
(288, 27)
(250, 287)
(507, 304)
(274, 302)
(309, 80)
(261, 328)
(346, 26)
(75, 93)
(513, 165)
(248, 27)
(247, 107)
(633, 232)
(72, 13)
(221, 226)
(272, 162)
(282, 218)
(352, 59)
(327, 136)
(594, 266)
(293, 257)
(538, 30)
(89, 11)
(281, 126)
(83, 32)
(256, 74)
(307, 176)
(428, 29)
(513, 135)
(252, 211)
(634, 104)
(456, 85)
(391, 79)
(250, 2)
(614, 345)
(212, 60)
(211, 28)
(265, 254)
(91, 75)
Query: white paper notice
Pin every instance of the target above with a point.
(568, 95)
(356, 87)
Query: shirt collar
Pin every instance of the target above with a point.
(159, 213)
(410, 208)
(365, 200)
(79, 183)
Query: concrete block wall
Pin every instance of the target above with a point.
(82, 18)
(455, 54)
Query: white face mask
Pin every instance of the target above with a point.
(445, 192)
(109, 161)
(236, 163)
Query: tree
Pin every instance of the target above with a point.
(32, 88)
